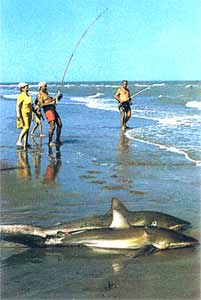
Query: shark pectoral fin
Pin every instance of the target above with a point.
(144, 251)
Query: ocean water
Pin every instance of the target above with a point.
(172, 107)
(154, 165)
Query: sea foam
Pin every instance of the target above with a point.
(130, 134)
(194, 104)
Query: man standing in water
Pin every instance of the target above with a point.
(53, 118)
(122, 95)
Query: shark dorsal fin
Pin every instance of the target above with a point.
(118, 205)
(119, 221)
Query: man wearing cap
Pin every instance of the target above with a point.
(24, 114)
(48, 105)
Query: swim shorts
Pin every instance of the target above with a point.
(124, 106)
(51, 115)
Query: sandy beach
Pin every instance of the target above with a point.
(96, 162)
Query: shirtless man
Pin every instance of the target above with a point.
(48, 105)
(122, 95)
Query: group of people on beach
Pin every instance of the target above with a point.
(25, 109)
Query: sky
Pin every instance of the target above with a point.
(136, 40)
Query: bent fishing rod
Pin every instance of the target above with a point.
(77, 45)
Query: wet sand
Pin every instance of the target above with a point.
(95, 163)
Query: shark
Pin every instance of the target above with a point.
(135, 218)
(122, 235)
(149, 217)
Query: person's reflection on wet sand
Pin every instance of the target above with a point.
(36, 156)
(24, 169)
(124, 144)
(124, 174)
(53, 166)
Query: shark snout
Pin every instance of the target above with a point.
(169, 239)
(180, 226)
(184, 241)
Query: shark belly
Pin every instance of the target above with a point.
(109, 244)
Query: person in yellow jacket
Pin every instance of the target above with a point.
(24, 114)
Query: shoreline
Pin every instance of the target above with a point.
(95, 163)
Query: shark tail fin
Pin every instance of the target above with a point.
(24, 239)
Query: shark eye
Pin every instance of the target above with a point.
(154, 223)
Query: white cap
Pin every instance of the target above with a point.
(42, 83)
(22, 84)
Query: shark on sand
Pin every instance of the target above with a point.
(120, 235)
(135, 218)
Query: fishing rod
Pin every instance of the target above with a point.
(77, 45)
(135, 94)
(139, 92)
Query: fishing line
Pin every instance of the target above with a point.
(77, 45)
